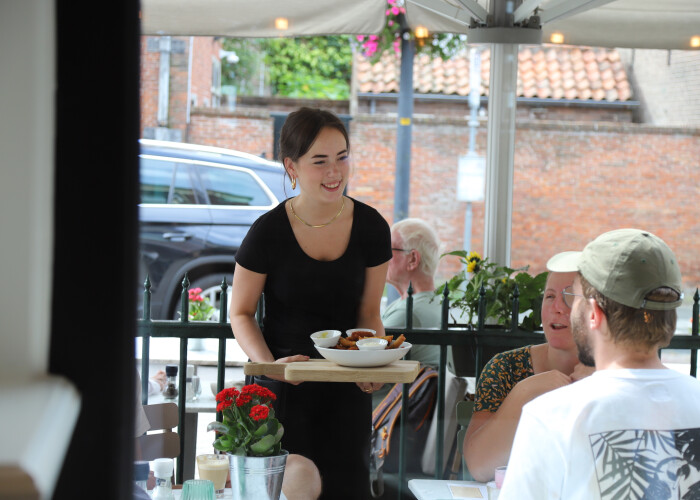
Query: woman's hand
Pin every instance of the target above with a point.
(369, 387)
(536, 385)
(581, 371)
(289, 359)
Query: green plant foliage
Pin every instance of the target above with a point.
(307, 67)
(310, 67)
(499, 284)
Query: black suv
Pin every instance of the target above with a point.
(197, 203)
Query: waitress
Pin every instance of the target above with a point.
(321, 260)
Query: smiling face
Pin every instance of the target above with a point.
(323, 171)
(555, 313)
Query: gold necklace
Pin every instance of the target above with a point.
(318, 225)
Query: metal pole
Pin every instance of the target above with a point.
(499, 153)
(403, 139)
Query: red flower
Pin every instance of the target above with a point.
(243, 399)
(259, 412)
(225, 394)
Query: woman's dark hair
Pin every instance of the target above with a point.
(301, 128)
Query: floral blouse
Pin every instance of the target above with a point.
(500, 375)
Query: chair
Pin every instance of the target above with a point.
(455, 391)
(160, 441)
(465, 409)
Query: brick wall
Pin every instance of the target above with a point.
(204, 49)
(573, 180)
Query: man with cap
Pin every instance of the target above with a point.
(632, 429)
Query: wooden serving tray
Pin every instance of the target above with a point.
(321, 370)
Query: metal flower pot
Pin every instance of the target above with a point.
(258, 478)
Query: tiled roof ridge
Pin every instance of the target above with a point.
(545, 72)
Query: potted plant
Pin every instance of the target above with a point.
(499, 283)
(251, 436)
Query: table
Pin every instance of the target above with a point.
(177, 492)
(206, 403)
(437, 489)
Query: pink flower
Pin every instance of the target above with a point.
(390, 23)
(402, 10)
(360, 38)
(373, 38)
(391, 2)
(397, 46)
(387, 12)
(395, 10)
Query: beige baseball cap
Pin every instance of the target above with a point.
(625, 265)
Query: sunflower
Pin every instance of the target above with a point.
(473, 261)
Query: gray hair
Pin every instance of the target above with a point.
(418, 235)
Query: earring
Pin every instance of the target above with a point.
(294, 182)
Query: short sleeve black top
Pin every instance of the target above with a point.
(304, 295)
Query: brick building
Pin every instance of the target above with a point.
(585, 162)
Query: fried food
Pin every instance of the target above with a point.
(396, 343)
(346, 342)
(359, 334)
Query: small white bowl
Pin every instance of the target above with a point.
(371, 344)
(349, 332)
(326, 338)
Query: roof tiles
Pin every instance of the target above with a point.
(545, 72)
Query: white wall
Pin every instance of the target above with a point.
(27, 87)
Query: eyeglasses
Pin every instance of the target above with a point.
(402, 249)
(568, 296)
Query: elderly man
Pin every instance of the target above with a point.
(415, 257)
(632, 429)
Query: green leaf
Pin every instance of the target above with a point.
(219, 427)
(263, 444)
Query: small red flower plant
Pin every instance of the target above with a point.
(249, 425)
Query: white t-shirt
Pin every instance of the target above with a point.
(615, 434)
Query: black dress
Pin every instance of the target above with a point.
(328, 422)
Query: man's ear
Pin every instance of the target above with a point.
(414, 258)
(596, 316)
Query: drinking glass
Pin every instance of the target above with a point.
(499, 475)
(196, 387)
(197, 489)
(214, 468)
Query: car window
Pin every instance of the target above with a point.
(165, 182)
(226, 186)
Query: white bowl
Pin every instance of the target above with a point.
(326, 338)
(371, 344)
(364, 359)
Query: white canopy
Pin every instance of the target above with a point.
(657, 24)
(654, 24)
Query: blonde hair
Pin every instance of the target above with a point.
(418, 235)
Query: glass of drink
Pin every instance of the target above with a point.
(214, 468)
(499, 474)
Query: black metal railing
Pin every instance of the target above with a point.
(472, 346)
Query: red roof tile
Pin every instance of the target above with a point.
(547, 72)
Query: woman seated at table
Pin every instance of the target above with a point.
(513, 378)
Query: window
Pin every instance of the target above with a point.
(215, 83)
(226, 186)
(165, 182)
